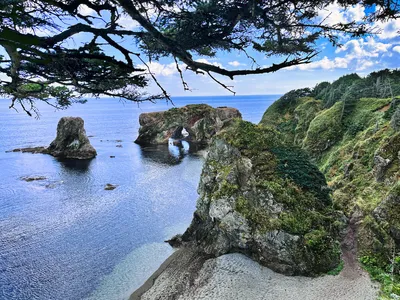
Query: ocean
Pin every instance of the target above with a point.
(65, 237)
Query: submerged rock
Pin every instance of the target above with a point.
(197, 123)
(110, 187)
(33, 178)
(71, 140)
(33, 150)
(263, 199)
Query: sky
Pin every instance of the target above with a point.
(360, 55)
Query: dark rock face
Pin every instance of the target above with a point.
(199, 120)
(387, 160)
(267, 201)
(388, 214)
(71, 140)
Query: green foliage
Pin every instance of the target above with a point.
(337, 270)
(304, 114)
(293, 163)
(382, 273)
(348, 88)
(251, 139)
(335, 91)
(286, 104)
(324, 130)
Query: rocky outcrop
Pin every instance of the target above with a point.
(387, 160)
(265, 200)
(388, 214)
(196, 123)
(71, 141)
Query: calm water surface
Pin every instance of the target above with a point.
(65, 237)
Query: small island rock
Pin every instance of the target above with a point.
(71, 140)
(196, 123)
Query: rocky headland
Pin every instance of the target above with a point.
(313, 189)
(71, 141)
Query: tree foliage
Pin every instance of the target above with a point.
(349, 88)
(37, 37)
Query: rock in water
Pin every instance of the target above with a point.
(266, 200)
(71, 140)
(197, 123)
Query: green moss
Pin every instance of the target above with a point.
(226, 190)
(258, 217)
(251, 139)
(304, 114)
(324, 130)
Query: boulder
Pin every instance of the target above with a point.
(71, 140)
(263, 199)
(196, 123)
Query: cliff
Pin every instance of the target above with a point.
(265, 200)
(355, 142)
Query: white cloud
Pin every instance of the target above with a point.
(235, 63)
(396, 48)
(359, 54)
(86, 10)
(205, 61)
(360, 48)
(389, 29)
(334, 14)
(160, 69)
(126, 22)
(325, 64)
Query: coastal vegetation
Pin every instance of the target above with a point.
(355, 141)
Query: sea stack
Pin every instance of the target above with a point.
(196, 123)
(71, 141)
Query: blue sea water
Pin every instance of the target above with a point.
(66, 237)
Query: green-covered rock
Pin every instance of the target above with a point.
(201, 122)
(266, 200)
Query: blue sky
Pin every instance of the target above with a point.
(359, 55)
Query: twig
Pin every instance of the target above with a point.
(221, 84)
(185, 85)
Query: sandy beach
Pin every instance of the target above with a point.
(190, 275)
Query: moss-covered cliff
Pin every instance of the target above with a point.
(356, 144)
(265, 199)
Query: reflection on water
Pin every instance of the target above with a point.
(171, 154)
(81, 165)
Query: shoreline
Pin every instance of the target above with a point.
(188, 274)
(148, 284)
